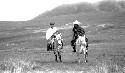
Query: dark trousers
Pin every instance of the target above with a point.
(73, 41)
(73, 45)
(50, 46)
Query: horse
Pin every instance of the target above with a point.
(81, 47)
(58, 46)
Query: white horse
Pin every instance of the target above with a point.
(81, 47)
(58, 46)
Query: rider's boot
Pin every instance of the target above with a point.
(48, 46)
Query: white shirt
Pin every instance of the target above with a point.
(50, 32)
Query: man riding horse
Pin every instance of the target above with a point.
(54, 41)
(77, 30)
(50, 35)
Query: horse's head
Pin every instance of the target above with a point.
(58, 36)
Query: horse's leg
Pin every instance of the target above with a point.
(73, 45)
(56, 57)
(59, 54)
(55, 51)
(78, 55)
(53, 46)
(80, 52)
(83, 52)
(86, 54)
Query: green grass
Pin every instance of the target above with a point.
(24, 51)
(103, 58)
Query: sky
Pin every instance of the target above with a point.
(23, 10)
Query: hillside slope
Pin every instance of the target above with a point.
(104, 12)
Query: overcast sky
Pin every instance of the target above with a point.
(22, 10)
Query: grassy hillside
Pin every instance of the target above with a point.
(103, 12)
(106, 12)
(89, 14)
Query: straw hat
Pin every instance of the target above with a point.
(76, 22)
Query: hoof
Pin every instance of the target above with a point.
(73, 51)
(86, 61)
(75, 62)
(60, 60)
(56, 60)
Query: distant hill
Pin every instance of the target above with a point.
(70, 9)
(103, 12)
